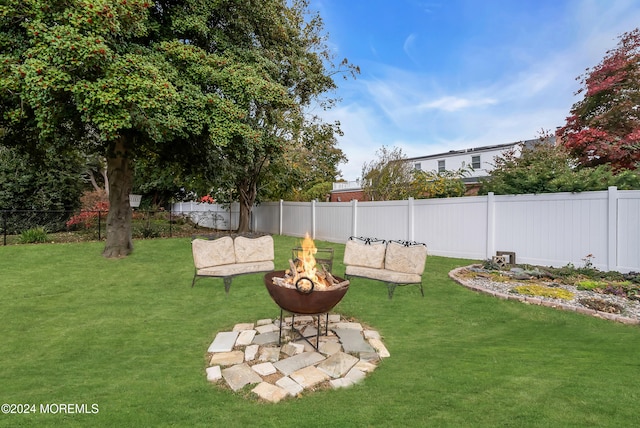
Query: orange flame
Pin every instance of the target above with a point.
(307, 258)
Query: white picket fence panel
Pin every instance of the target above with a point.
(551, 229)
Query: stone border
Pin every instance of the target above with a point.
(551, 303)
(250, 355)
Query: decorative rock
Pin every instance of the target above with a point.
(292, 387)
(223, 342)
(338, 364)
(264, 369)
(227, 358)
(269, 392)
(371, 334)
(250, 352)
(355, 375)
(214, 374)
(309, 377)
(329, 348)
(292, 349)
(269, 354)
(243, 326)
(267, 338)
(365, 366)
(240, 375)
(268, 328)
(380, 348)
(291, 364)
(349, 325)
(352, 340)
(340, 383)
(245, 337)
(334, 318)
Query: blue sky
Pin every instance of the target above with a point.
(452, 74)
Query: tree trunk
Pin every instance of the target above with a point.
(247, 196)
(120, 176)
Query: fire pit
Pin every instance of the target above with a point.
(303, 289)
(303, 300)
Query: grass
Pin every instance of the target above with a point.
(131, 334)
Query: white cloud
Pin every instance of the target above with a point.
(427, 111)
(454, 103)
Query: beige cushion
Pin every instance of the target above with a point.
(250, 250)
(236, 269)
(366, 255)
(383, 275)
(213, 253)
(405, 259)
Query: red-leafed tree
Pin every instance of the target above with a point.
(604, 127)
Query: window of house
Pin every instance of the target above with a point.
(417, 166)
(441, 167)
(475, 162)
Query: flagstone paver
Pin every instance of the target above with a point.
(287, 366)
(309, 376)
(239, 376)
(291, 386)
(353, 341)
(245, 337)
(224, 341)
(269, 392)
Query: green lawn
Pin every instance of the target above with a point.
(130, 335)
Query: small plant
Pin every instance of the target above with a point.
(489, 264)
(544, 291)
(590, 285)
(588, 263)
(601, 305)
(33, 236)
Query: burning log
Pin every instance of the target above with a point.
(297, 277)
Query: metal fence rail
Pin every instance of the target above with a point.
(90, 225)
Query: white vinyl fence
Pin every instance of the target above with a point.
(212, 216)
(546, 229)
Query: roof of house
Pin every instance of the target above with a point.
(527, 143)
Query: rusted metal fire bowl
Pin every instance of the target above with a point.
(297, 302)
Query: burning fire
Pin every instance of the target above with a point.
(307, 259)
(304, 274)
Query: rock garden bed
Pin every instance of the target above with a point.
(609, 295)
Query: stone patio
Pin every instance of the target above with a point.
(250, 355)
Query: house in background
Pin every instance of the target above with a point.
(345, 191)
(480, 159)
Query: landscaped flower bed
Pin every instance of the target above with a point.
(584, 289)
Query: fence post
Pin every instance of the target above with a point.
(410, 220)
(354, 218)
(99, 225)
(313, 219)
(612, 229)
(491, 225)
(4, 227)
(280, 218)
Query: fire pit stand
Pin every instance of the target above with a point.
(303, 300)
(300, 333)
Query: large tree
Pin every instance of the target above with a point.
(604, 127)
(288, 42)
(388, 177)
(178, 81)
(545, 168)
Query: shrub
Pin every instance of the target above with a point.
(34, 235)
(601, 305)
(590, 285)
(543, 291)
(92, 202)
